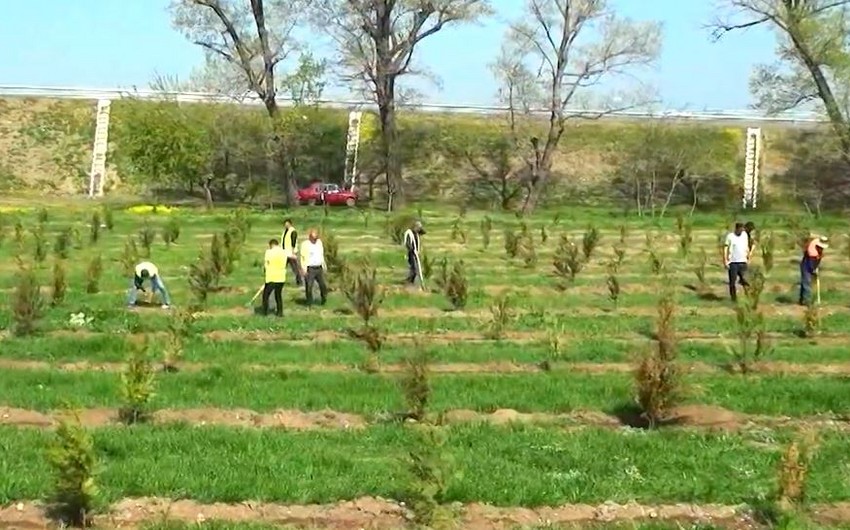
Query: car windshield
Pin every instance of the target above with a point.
(331, 187)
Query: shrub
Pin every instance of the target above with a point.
(94, 228)
(589, 242)
(171, 231)
(768, 248)
(416, 384)
(19, 232)
(624, 233)
(755, 288)
(619, 256)
(93, 274)
(567, 261)
(442, 277)
(794, 470)
(27, 303)
(130, 256)
(72, 457)
(686, 239)
(333, 260)
(458, 232)
(699, 271)
(427, 266)
(501, 316)
(364, 292)
(108, 218)
(42, 216)
(146, 237)
(457, 286)
(811, 321)
(63, 243)
(511, 243)
(397, 226)
(657, 377)
(429, 469)
(39, 244)
(218, 258)
(59, 284)
(179, 329)
(613, 289)
(137, 386)
(751, 330)
(526, 251)
(656, 263)
(544, 234)
(486, 227)
(232, 242)
(202, 280)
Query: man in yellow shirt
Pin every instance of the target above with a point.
(289, 240)
(275, 271)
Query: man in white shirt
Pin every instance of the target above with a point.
(412, 243)
(313, 266)
(736, 255)
(147, 271)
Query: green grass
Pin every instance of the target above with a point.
(524, 466)
(527, 466)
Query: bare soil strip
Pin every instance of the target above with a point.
(382, 514)
(449, 337)
(689, 416)
(494, 367)
(374, 513)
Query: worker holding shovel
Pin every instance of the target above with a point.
(809, 265)
(412, 241)
(275, 274)
(147, 271)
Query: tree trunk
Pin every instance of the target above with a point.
(208, 197)
(389, 143)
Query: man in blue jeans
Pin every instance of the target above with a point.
(812, 256)
(147, 271)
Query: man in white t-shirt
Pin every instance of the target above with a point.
(736, 255)
(313, 267)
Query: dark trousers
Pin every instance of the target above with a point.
(315, 274)
(806, 276)
(737, 273)
(412, 267)
(277, 289)
(296, 270)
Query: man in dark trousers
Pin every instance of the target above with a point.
(736, 255)
(289, 240)
(412, 242)
(812, 256)
(275, 274)
(313, 266)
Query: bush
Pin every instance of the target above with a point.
(613, 289)
(130, 256)
(72, 457)
(59, 284)
(768, 249)
(657, 377)
(27, 303)
(39, 244)
(42, 216)
(171, 231)
(486, 228)
(429, 469)
(589, 242)
(146, 237)
(397, 226)
(457, 286)
(501, 316)
(364, 292)
(63, 243)
(793, 472)
(93, 275)
(94, 228)
(334, 261)
(511, 243)
(219, 259)
(526, 251)
(202, 280)
(751, 331)
(179, 329)
(567, 260)
(137, 386)
(108, 218)
(416, 385)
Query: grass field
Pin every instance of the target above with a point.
(293, 421)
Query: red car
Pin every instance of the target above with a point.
(330, 194)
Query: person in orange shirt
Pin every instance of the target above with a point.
(812, 256)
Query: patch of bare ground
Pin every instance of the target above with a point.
(491, 367)
(707, 417)
(382, 514)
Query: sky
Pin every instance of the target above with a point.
(124, 43)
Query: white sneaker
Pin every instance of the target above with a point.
(166, 306)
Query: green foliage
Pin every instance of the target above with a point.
(811, 320)
(416, 384)
(397, 225)
(108, 218)
(364, 292)
(219, 258)
(146, 236)
(42, 216)
(567, 261)
(457, 286)
(93, 274)
(63, 243)
(39, 252)
(750, 329)
(19, 232)
(657, 377)
(501, 316)
(486, 228)
(94, 228)
(180, 328)
(699, 270)
(613, 289)
(203, 278)
(27, 303)
(72, 457)
(768, 249)
(334, 261)
(138, 382)
(59, 284)
(130, 256)
(589, 242)
(430, 470)
(511, 243)
(171, 231)
(526, 250)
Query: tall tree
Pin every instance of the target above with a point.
(251, 38)
(571, 47)
(813, 54)
(377, 40)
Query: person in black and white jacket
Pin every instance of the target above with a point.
(412, 243)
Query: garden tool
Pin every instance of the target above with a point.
(817, 287)
(256, 295)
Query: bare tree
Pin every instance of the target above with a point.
(250, 40)
(574, 46)
(377, 40)
(813, 51)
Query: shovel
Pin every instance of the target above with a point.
(256, 295)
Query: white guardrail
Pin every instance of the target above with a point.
(199, 97)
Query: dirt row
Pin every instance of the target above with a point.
(446, 337)
(382, 514)
(689, 416)
(490, 367)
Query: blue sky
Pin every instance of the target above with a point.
(110, 43)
